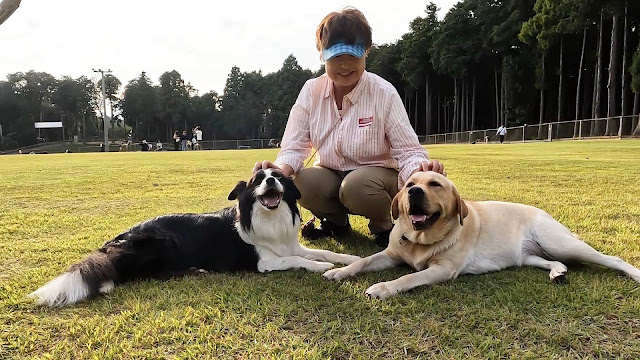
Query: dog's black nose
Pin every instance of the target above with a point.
(271, 181)
(415, 191)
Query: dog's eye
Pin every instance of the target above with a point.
(434, 184)
(410, 184)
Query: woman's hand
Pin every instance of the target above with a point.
(432, 165)
(263, 165)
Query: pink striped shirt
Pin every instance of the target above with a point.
(374, 129)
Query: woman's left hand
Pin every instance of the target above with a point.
(432, 165)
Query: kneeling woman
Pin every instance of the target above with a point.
(366, 148)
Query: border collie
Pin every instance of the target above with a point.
(259, 233)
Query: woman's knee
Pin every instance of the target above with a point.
(317, 182)
(365, 188)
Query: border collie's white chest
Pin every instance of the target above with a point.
(272, 229)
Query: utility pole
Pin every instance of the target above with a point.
(104, 107)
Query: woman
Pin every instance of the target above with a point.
(366, 148)
(176, 141)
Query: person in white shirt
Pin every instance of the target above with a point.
(366, 147)
(198, 133)
(502, 132)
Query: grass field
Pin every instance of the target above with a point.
(57, 208)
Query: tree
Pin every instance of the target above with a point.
(282, 90)
(17, 124)
(36, 88)
(112, 89)
(139, 105)
(415, 64)
(173, 103)
(72, 97)
(635, 86)
(205, 112)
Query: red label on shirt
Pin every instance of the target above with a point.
(365, 121)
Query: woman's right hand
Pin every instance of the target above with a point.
(263, 165)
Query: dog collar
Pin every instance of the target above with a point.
(403, 240)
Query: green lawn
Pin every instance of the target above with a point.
(58, 207)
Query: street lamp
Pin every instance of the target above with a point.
(104, 107)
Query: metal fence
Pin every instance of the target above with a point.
(114, 146)
(620, 126)
(617, 127)
(240, 144)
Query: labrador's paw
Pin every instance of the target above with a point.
(382, 290)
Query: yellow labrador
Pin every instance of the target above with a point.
(442, 236)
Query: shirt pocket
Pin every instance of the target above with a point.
(367, 142)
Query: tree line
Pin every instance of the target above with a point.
(252, 105)
(487, 63)
(513, 62)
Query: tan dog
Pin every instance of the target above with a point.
(442, 236)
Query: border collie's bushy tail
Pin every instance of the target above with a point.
(95, 274)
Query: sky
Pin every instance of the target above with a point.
(200, 39)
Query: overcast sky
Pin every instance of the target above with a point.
(200, 39)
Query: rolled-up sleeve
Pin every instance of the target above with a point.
(296, 143)
(403, 141)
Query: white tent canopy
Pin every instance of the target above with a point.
(7, 7)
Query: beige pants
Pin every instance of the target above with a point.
(332, 195)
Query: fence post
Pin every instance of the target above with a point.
(620, 127)
(523, 128)
(550, 132)
(580, 131)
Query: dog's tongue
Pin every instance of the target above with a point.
(271, 200)
(418, 218)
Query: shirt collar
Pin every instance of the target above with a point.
(355, 94)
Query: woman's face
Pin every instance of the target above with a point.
(345, 70)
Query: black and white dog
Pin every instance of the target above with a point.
(259, 233)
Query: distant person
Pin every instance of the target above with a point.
(183, 140)
(176, 141)
(158, 146)
(145, 146)
(502, 132)
(198, 133)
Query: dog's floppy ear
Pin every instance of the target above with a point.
(295, 190)
(463, 211)
(394, 205)
(240, 187)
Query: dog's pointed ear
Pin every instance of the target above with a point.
(240, 187)
(395, 211)
(461, 206)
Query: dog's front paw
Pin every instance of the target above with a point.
(382, 290)
(559, 276)
(349, 259)
(320, 266)
(336, 274)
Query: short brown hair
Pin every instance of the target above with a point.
(348, 25)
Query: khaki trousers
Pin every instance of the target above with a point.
(332, 195)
